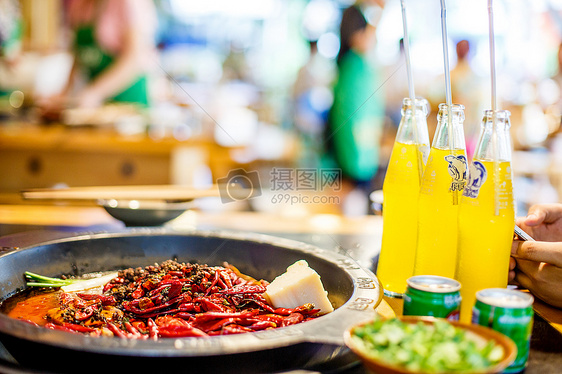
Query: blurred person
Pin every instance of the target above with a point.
(312, 99)
(467, 89)
(113, 47)
(11, 28)
(356, 117)
(537, 265)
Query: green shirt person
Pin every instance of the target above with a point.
(113, 48)
(357, 114)
(11, 31)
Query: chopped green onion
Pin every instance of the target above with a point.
(428, 348)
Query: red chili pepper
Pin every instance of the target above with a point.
(117, 331)
(145, 303)
(209, 306)
(180, 332)
(175, 327)
(215, 280)
(174, 290)
(140, 325)
(262, 325)
(134, 309)
(208, 326)
(79, 328)
(69, 327)
(189, 307)
(159, 313)
(226, 278)
(104, 299)
(158, 290)
(152, 329)
(277, 319)
(306, 308)
(85, 313)
(262, 303)
(139, 292)
(292, 319)
(150, 284)
(108, 286)
(232, 329)
(134, 331)
(184, 315)
(216, 315)
(178, 274)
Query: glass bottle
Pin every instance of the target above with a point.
(400, 195)
(486, 213)
(442, 184)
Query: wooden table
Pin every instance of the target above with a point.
(358, 237)
(38, 156)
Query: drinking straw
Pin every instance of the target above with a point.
(411, 90)
(495, 147)
(449, 99)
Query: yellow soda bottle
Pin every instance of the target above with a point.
(400, 193)
(442, 184)
(486, 214)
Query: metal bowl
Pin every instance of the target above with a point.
(144, 212)
(354, 291)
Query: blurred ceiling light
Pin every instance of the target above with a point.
(16, 99)
(535, 127)
(319, 17)
(134, 204)
(328, 45)
(548, 92)
(241, 8)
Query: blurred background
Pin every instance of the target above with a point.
(249, 85)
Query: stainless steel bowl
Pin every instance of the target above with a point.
(144, 212)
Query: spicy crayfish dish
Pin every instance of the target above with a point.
(170, 300)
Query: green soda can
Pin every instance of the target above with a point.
(431, 295)
(511, 313)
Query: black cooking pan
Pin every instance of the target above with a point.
(316, 344)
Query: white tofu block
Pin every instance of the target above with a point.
(299, 285)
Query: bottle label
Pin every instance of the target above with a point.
(476, 178)
(457, 170)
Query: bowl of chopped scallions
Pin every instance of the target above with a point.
(429, 345)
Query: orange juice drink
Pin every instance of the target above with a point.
(442, 184)
(484, 242)
(400, 191)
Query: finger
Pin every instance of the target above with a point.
(511, 276)
(550, 252)
(528, 267)
(523, 280)
(542, 213)
(512, 263)
(520, 221)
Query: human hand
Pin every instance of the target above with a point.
(537, 266)
(89, 98)
(50, 107)
(543, 222)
